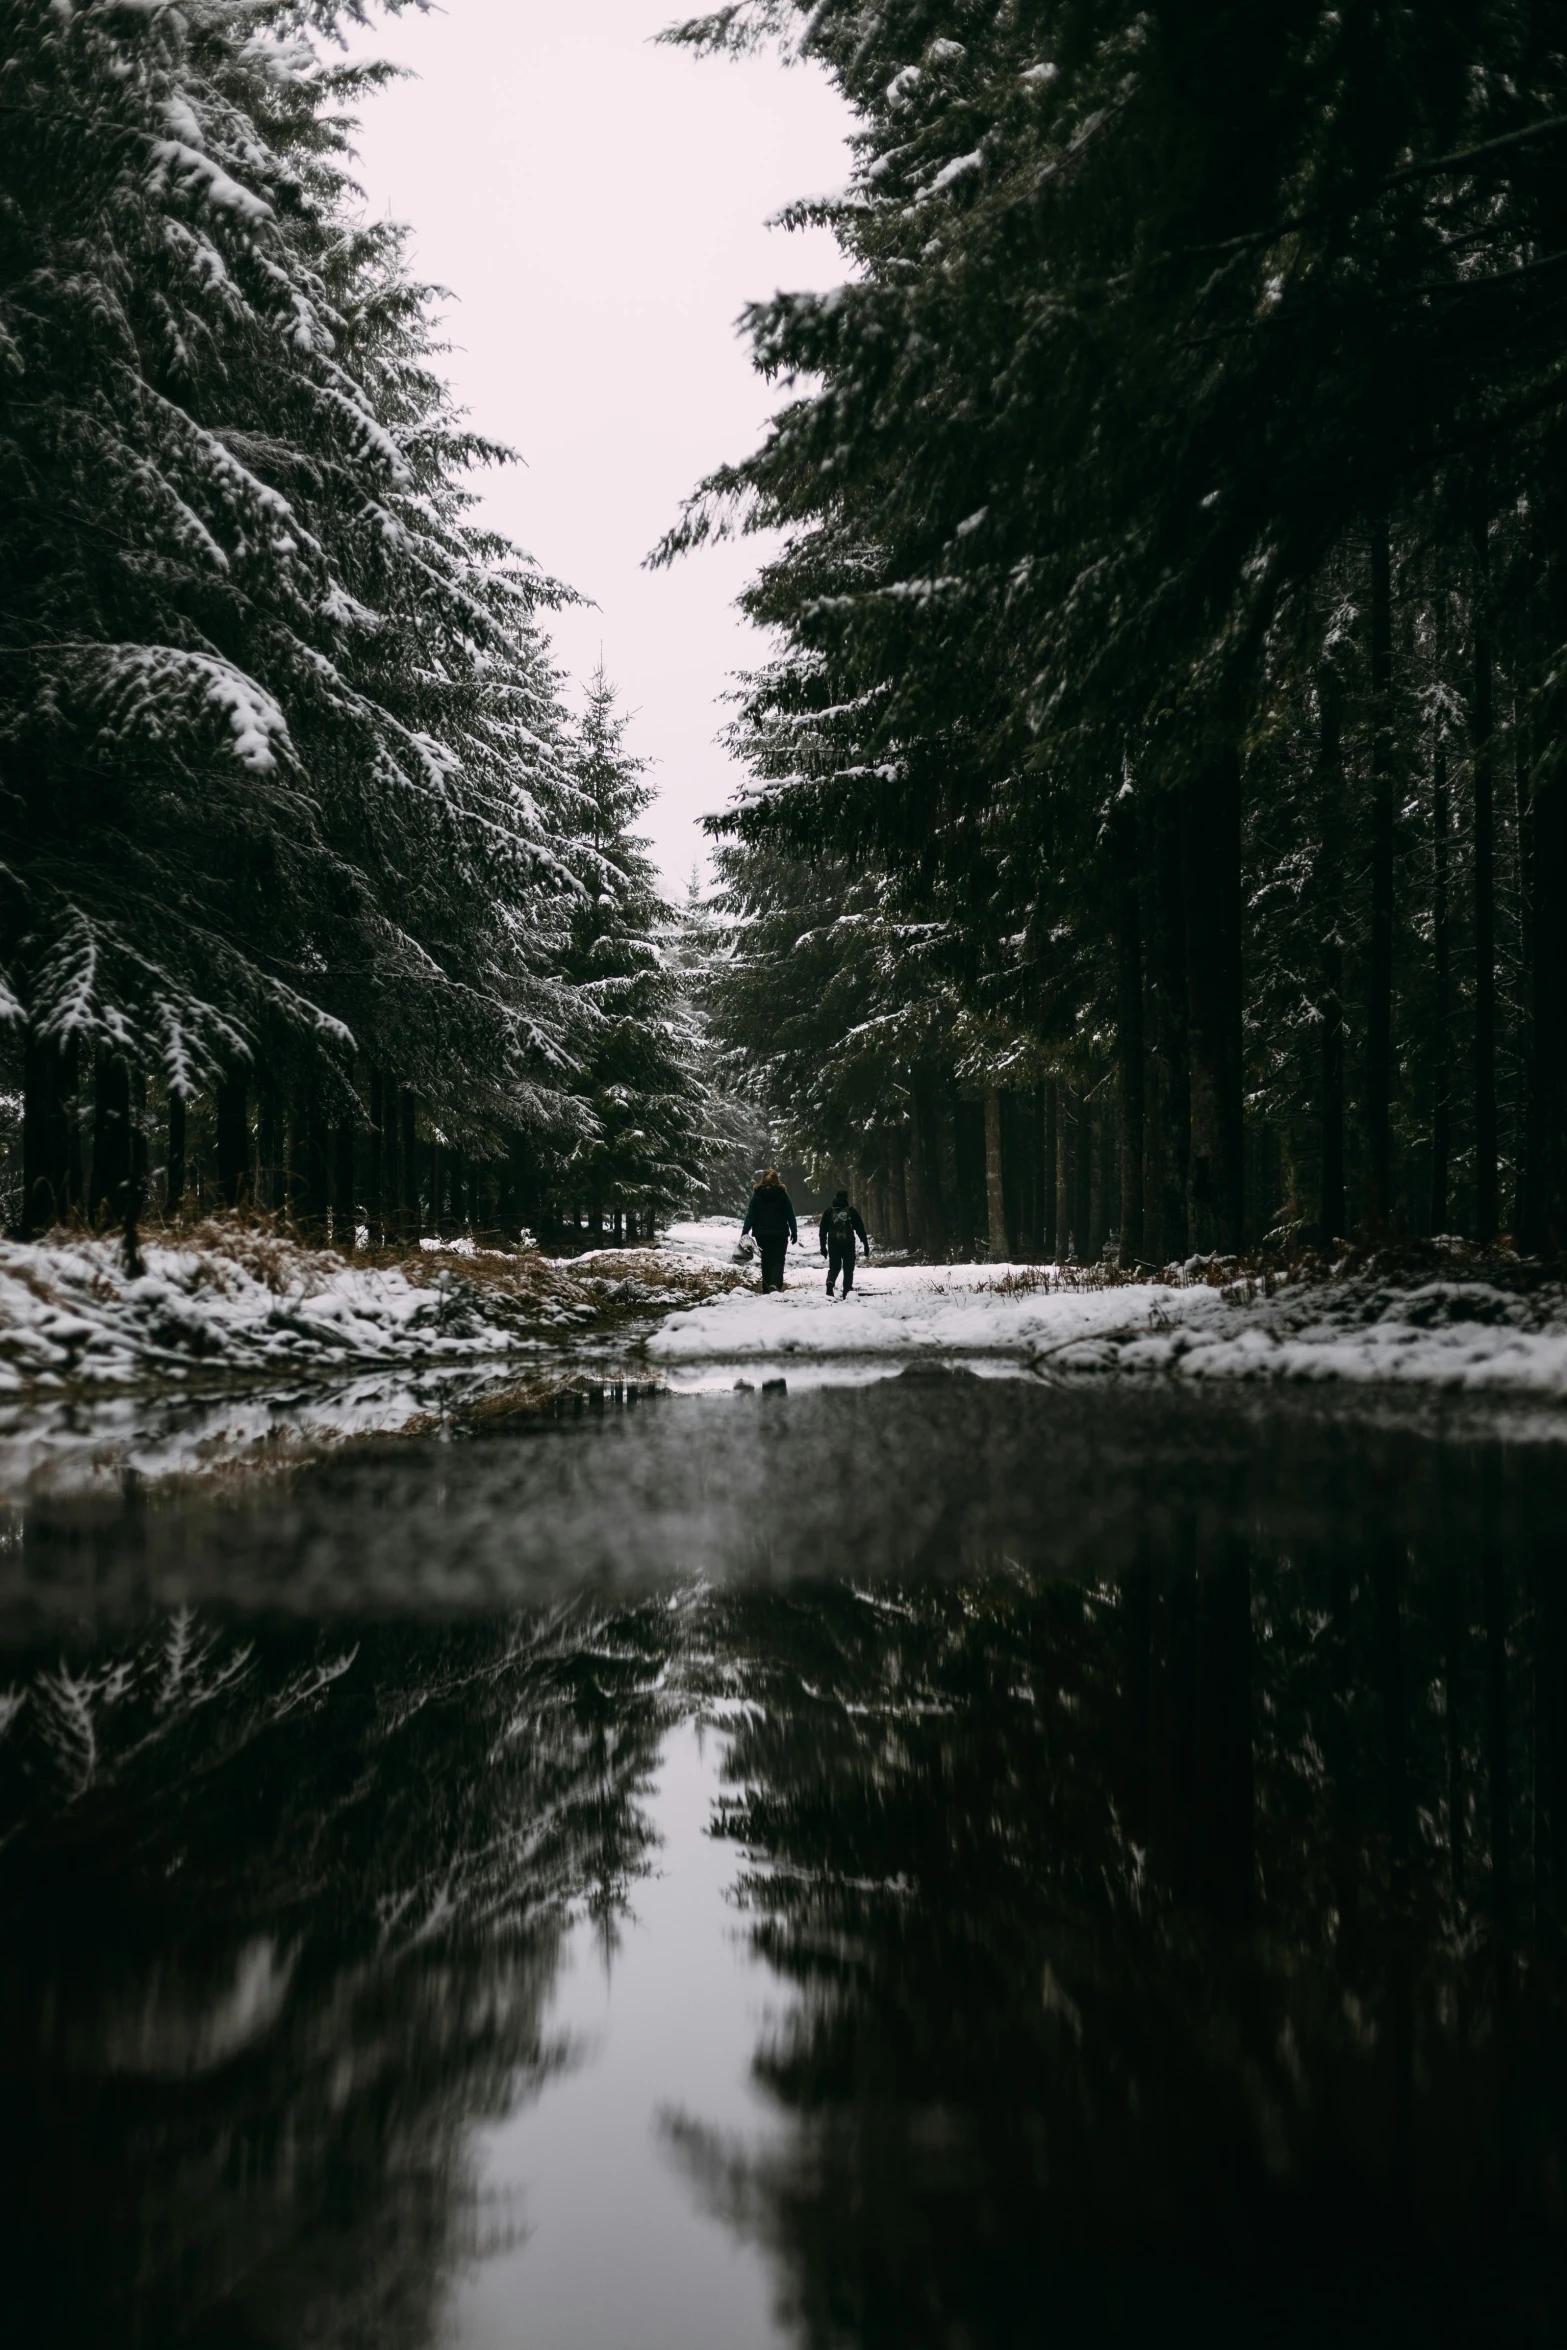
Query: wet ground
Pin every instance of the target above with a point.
(949, 1861)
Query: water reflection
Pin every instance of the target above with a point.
(1159, 1861)
(1183, 1951)
(278, 1921)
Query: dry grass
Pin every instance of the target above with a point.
(610, 1285)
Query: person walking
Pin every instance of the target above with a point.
(839, 1225)
(771, 1217)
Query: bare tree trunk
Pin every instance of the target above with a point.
(375, 1205)
(1547, 1188)
(49, 1142)
(1211, 870)
(345, 1190)
(897, 1194)
(1441, 958)
(1526, 1145)
(927, 1167)
(272, 1174)
(174, 1180)
(1483, 733)
(410, 1158)
(316, 1189)
(1047, 1173)
(1129, 1021)
(233, 1107)
(1175, 1098)
(1379, 1010)
(995, 1195)
(1330, 1216)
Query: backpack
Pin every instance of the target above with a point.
(841, 1226)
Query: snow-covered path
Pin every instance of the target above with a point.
(1457, 1334)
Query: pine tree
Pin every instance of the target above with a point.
(648, 1107)
(1169, 333)
(282, 756)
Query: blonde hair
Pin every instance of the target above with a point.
(772, 1180)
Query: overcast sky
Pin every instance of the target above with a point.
(597, 207)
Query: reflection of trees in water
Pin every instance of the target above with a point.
(279, 1918)
(1185, 1947)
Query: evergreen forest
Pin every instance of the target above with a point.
(1156, 829)
(317, 897)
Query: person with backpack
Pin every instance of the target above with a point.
(771, 1217)
(840, 1223)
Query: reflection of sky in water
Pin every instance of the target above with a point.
(617, 2249)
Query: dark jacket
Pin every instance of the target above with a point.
(846, 1232)
(770, 1214)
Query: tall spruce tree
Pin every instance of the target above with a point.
(1173, 334)
(648, 1105)
(283, 768)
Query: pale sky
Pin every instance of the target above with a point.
(597, 207)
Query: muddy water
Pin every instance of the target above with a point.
(950, 1862)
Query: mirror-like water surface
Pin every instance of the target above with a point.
(950, 1862)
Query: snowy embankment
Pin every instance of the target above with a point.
(235, 1299)
(1466, 1334)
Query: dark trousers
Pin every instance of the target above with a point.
(772, 1252)
(840, 1260)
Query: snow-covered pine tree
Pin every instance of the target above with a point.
(652, 1110)
(279, 743)
(740, 1137)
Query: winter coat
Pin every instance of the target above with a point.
(842, 1234)
(770, 1214)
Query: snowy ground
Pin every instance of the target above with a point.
(236, 1348)
(69, 1313)
(1450, 1334)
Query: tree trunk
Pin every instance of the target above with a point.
(927, 1168)
(995, 1195)
(1483, 734)
(233, 1098)
(271, 1173)
(1524, 1142)
(1211, 872)
(1331, 1219)
(409, 1121)
(1175, 1101)
(1066, 1136)
(1043, 1178)
(1547, 1186)
(1047, 1172)
(1130, 1099)
(1085, 1168)
(897, 1192)
(345, 1190)
(375, 1205)
(967, 1121)
(174, 1183)
(1441, 960)
(316, 1188)
(113, 1148)
(49, 1142)
(1379, 1009)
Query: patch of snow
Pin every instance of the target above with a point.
(1451, 1335)
(69, 1313)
